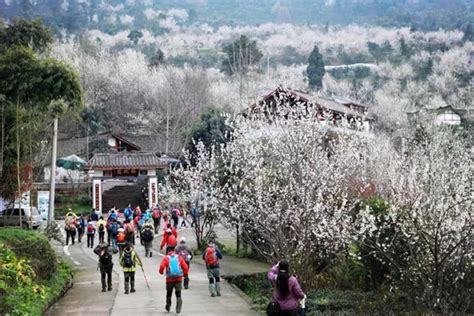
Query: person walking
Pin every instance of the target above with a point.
(156, 215)
(128, 261)
(169, 240)
(176, 268)
(211, 256)
(183, 216)
(90, 234)
(147, 237)
(186, 253)
(101, 227)
(129, 231)
(105, 252)
(286, 291)
(175, 217)
(128, 213)
(70, 226)
(121, 239)
(93, 216)
(113, 232)
(81, 227)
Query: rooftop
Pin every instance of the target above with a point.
(126, 160)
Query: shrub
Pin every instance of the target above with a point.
(32, 246)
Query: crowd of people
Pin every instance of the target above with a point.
(123, 228)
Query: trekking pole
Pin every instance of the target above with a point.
(144, 275)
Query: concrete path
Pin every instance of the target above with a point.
(86, 298)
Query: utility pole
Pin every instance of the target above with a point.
(52, 186)
(167, 122)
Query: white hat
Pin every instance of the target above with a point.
(182, 240)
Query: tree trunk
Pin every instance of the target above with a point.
(18, 160)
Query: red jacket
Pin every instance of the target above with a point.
(173, 231)
(169, 241)
(165, 263)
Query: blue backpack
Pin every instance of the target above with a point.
(127, 213)
(114, 228)
(174, 268)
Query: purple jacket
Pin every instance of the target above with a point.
(290, 302)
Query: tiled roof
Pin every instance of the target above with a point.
(131, 160)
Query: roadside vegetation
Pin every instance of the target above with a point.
(31, 275)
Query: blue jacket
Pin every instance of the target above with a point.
(128, 213)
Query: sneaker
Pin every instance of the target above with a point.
(167, 308)
(109, 289)
(126, 292)
(132, 291)
(151, 254)
(103, 290)
(213, 295)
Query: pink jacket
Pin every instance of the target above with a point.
(290, 302)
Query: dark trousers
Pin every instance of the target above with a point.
(186, 278)
(129, 280)
(80, 233)
(90, 240)
(288, 313)
(169, 293)
(106, 274)
(70, 234)
(176, 221)
(101, 237)
(156, 223)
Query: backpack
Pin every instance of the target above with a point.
(127, 260)
(211, 257)
(121, 237)
(114, 228)
(156, 214)
(183, 253)
(90, 228)
(172, 241)
(106, 258)
(174, 268)
(147, 235)
(101, 227)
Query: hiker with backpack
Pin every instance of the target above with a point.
(128, 261)
(81, 227)
(174, 231)
(128, 213)
(70, 226)
(176, 268)
(105, 252)
(211, 256)
(169, 240)
(156, 215)
(101, 227)
(129, 231)
(175, 216)
(90, 231)
(93, 216)
(147, 237)
(121, 239)
(113, 231)
(286, 291)
(186, 253)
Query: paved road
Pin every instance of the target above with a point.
(86, 298)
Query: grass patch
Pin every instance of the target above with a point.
(31, 276)
(255, 286)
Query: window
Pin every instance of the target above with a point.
(448, 118)
(143, 172)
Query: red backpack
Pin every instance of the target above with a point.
(156, 214)
(211, 256)
(90, 228)
(172, 241)
(121, 237)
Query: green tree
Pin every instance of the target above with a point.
(33, 89)
(158, 58)
(135, 36)
(209, 128)
(315, 70)
(27, 33)
(241, 55)
(468, 33)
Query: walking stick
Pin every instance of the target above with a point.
(144, 275)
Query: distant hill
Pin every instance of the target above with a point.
(114, 15)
